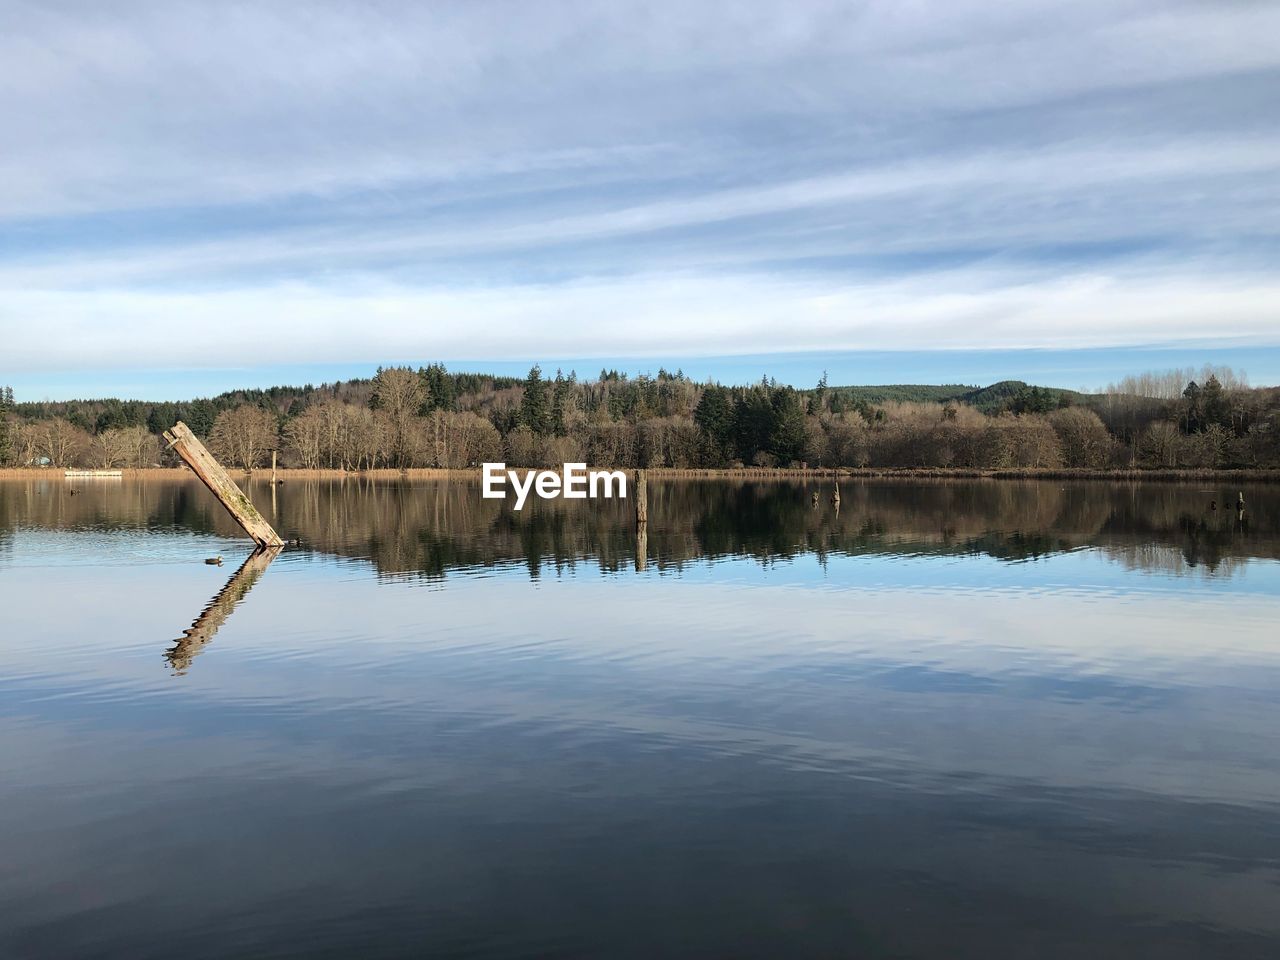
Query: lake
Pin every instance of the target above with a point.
(976, 719)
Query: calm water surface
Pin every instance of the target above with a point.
(953, 720)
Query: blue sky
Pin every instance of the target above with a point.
(195, 196)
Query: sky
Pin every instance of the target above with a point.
(201, 196)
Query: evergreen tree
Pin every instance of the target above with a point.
(560, 404)
(1216, 410)
(1033, 400)
(535, 407)
(786, 434)
(1190, 414)
(818, 399)
(200, 417)
(439, 388)
(753, 422)
(714, 417)
(6, 407)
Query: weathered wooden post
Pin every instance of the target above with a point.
(273, 468)
(642, 498)
(642, 520)
(203, 465)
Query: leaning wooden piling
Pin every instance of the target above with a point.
(203, 465)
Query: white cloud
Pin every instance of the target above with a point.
(683, 315)
(194, 103)
(327, 181)
(984, 201)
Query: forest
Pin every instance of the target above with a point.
(431, 417)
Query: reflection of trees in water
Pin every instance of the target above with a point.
(427, 528)
(55, 503)
(1164, 558)
(1189, 533)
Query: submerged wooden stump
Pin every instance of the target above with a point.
(202, 463)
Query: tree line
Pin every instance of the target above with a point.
(431, 417)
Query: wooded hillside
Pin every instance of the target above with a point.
(428, 417)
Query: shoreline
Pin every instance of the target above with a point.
(1254, 475)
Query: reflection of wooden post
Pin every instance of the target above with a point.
(211, 474)
(275, 512)
(642, 520)
(215, 614)
(642, 498)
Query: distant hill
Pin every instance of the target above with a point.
(902, 392)
(991, 399)
(96, 415)
(1000, 394)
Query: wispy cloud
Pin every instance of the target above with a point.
(687, 315)
(342, 180)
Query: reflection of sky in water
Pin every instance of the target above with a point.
(1062, 751)
(1085, 568)
(745, 649)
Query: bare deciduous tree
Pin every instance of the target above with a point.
(124, 447)
(1084, 437)
(61, 441)
(243, 435)
(26, 443)
(305, 435)
(398, 395)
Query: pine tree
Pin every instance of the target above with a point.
(786, 436)
(6, 406)
(817, 401)
(560, 404)
(1214, 404)
(440, 390)
(714, 417)
(535, 408)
